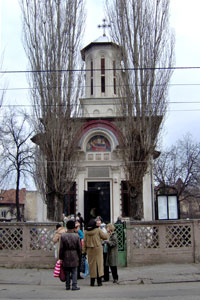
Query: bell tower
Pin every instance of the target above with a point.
(102, 75)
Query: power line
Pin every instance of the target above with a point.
(89, 104)
(99, 70)
(96, 86)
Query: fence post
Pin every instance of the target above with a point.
(129, 243)
(26, 238)
(196, 231)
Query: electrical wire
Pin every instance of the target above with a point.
(97, 86)
(98, 70)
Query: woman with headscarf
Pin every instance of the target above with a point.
(92, 246)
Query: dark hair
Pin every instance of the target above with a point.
(91, 225)
(58, 226)
(70, 224)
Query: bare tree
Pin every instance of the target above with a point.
(141, 28)
(3, 84)
(52, 38)
(17, 155)
(179, 167)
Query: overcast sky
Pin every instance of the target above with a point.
(184, 110)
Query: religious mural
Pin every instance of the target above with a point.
(98, 143)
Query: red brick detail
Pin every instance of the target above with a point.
(103, 124)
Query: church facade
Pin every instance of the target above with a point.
(100, 187)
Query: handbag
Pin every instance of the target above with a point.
(62, 274)
(82, 264)
(56, 272)
(87, 271)
(59, 271)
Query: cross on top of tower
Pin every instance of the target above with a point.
(104, 26)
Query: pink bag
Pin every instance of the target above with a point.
(59, 271)
(56, 272)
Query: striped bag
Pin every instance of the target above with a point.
(56, 272)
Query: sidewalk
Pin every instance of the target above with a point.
(154, 274)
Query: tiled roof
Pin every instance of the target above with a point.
(9, 196)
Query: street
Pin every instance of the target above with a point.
(175, 291)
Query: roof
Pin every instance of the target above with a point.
(102, 40)
(9, 197)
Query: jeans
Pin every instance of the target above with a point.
(71, 271)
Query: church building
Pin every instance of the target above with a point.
(101, 183)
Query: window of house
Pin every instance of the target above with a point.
(167, 207)
(103, 88)
(125, 199)
(3, 213)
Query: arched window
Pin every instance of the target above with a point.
(98, 143)
(91, 77)
(103, 87)
(114, 77)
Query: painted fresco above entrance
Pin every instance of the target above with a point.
(98, 143)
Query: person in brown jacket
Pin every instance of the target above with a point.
(69, 254)
(56, 239)
(92, 246)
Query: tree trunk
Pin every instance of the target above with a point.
(17, 198)
(136, 203)
(58, 202)
(54, 207)
(50, 206)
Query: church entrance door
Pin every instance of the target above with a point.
(97, 201)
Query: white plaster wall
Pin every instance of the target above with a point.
(80, 191)
(35, 208)
(95, 53)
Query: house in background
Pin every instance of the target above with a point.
(8, 210)
(32, 208)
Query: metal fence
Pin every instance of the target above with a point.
(121, 237)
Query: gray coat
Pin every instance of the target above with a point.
(70, 249)
(112, 254)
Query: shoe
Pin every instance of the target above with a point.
(99, 281)
(76, 288)
(92, 281)
(100, 284)
(115, 281)
(68, 288)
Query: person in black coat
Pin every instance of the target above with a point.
(69, 254)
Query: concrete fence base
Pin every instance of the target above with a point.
(30, 245)
(161, 242)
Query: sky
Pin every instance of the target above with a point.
(184, 92)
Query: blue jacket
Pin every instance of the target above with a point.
(80, 233)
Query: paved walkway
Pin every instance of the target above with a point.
(155, 274)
